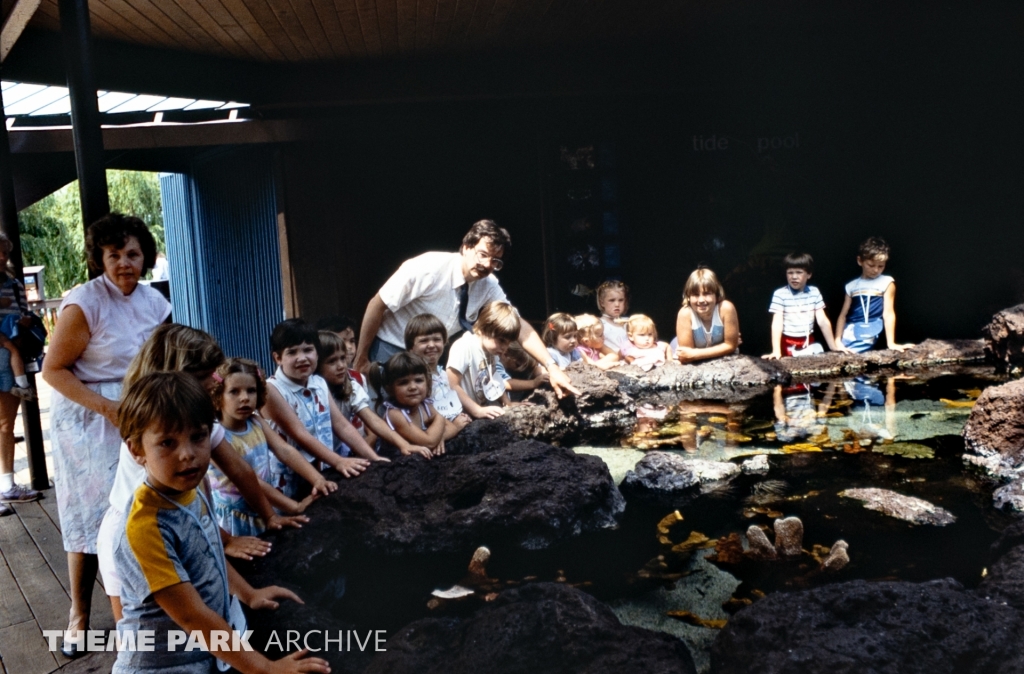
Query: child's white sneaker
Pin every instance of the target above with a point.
(23, 392)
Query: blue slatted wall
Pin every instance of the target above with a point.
(222, 248)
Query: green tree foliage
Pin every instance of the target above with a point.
(51, 229)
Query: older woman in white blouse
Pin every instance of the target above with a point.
(101, 327)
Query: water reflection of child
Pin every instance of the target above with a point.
(795, 414)
(866, 394)
(692, 436)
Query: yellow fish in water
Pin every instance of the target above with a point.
(717, 420)
(957, 403)
(800, 447)
(691, 619)
(971, 392)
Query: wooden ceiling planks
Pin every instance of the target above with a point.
(242, 13)
(306, 15)
(329, 20)
(369, 24)
(405, 23)
(348, 17)
(426, 22)
(273, 30)
(325, 30)
(175, 23)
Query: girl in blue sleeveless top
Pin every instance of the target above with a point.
(707, 326)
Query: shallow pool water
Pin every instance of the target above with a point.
(900, 434)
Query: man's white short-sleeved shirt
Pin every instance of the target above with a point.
(430, 284)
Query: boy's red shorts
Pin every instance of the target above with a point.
(790, 343)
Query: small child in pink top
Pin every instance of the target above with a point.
(591, 342)
(643, 348)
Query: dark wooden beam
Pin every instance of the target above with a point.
(85, 114)
(9, 226)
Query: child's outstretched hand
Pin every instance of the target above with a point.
(323, 487)
(491, 412)
(246, 547)
(295, 663)
(264, 597)
(304, 503)
(463, 420)
(901, 347)
(351, 466)
(774, 355)
(416, 449)
(439, 450)
(281, 521)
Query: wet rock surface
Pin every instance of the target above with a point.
(886, 627)
(730, 372)
(529, 494)
(540, 628)
(927, 353)
(906, 508)
(670, 474)
(994, 432)
(601, 410)
(1004, 339)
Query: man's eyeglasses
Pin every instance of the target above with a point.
(488, 260)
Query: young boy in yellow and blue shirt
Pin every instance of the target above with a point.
(175, 579)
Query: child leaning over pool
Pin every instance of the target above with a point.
(353, 400)
(168, 552)
(561, 337)
(873, 298)
(425, 335)
(643, 348)
(795, 308)
(300, 407)
(473, 360)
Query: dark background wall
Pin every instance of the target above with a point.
(901, 120)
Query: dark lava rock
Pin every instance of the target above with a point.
(601, 411)
(883, 628)
(928, 353)
(718, 374)
(270, 633)
(1004, 338)
(995, 430)
(528, 494)
(482, 435)
(1005, 579)
(537, 629)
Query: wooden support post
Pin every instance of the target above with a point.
(9, 226)
(85, 115)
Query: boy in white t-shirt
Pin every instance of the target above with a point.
(872, 297)
(425, 335)
(473, 361)
(795, 308)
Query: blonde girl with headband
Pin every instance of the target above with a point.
(613, 301)
(707, 326)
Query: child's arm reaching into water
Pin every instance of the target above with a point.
(244, 477)
(186, 608)
(777, 322)
(380, 428)
(889, 319)
(291, 457)
(432, 437)
(471, 407)
(278, 411)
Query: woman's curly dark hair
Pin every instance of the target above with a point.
(114, 229)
